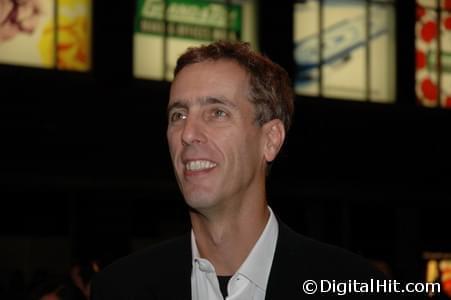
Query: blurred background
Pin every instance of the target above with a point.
(85, 174)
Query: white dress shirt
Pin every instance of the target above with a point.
(249, 282)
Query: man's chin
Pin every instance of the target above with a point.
(199, 203)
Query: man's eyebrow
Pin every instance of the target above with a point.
(202, 101)
(177, 104)
(218, 100)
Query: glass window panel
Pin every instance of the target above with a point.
(446, 4)
(28, 41)
(427, 3)
(358, 62)
(381, 1)
(306, 52)
(446, 59)
(382, 67)
(164, 29)
(74, 35)
(433, 50)
(438, 270)
(426, 49)
(32, 41)
(344, 51)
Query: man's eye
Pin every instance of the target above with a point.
(219, 113)
(176, 116)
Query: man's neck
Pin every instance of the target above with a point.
(227, 239)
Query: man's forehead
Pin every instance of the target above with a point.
(211, 69)
(208, 77)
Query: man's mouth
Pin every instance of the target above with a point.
(199, 165)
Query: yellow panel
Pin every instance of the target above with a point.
(74, 35)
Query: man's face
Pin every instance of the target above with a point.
(217, 148)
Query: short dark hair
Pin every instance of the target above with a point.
(271, 90)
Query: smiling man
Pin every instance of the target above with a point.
(220, 150)
(228, 114)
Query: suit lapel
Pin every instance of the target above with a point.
(283, 278)
(178, 283)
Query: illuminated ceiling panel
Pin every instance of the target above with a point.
(433, 53)
(165, 29)
(46, 34)
(357, 56)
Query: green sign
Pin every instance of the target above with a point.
(191, 19)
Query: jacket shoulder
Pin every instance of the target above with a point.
(316, 259)
(155, 256)
(140, 274)
(299, 259)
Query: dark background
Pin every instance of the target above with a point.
(84, 159)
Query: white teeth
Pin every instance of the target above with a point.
(197, 165)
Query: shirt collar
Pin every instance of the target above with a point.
(257, 266)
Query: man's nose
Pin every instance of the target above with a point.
(193, 131)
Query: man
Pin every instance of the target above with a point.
(228, 114)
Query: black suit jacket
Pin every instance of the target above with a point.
(164, 271)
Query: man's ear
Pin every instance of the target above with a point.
(274, 133)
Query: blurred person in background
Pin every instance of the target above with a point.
(55, 288)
